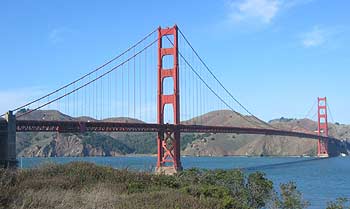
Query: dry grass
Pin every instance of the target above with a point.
(102, 198)
(88, 186)
(85, 185)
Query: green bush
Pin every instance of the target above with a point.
(290, 197)
(339, 203)
(260, 189)
(71, 185)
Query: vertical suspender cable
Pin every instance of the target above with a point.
(197, 102)
(193, 96)
(73, 103)
(140, 76)
(146, 79)
(101, 99)
(68, 111)
(115, 94)
(122, 93)
(128, 87)
(77, 103)
(88, 98)
(109, 96)
(95, 98)
(134, 82)
(232, 97)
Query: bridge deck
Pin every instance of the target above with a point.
(98, 126)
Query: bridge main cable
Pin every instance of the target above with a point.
(220, 83)
(86, 84)
(216, 94)
(86, 75)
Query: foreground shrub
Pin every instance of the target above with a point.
(289, 198)
(339, 203)
(259, 190)
(86, 185)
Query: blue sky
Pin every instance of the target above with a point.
(275, 56)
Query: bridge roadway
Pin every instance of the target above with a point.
(98, 126)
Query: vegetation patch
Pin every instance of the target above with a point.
(86, 185)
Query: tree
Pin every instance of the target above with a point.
(339, 203)
(289, 198)
(260, 189)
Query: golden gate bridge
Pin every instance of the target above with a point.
(160, 80)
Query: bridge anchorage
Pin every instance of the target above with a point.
(8, 141)
(168, 134)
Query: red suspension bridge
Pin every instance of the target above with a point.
(145, 82)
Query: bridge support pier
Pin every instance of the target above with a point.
(8, 142)
(168, 152)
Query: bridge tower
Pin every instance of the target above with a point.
(168, 141)
(322, 145)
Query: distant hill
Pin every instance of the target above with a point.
(115, 144)
(85, 144)
(223, 118)
(123, 120)
(235, 144)
(44, 115)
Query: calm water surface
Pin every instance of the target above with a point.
(319, 180)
